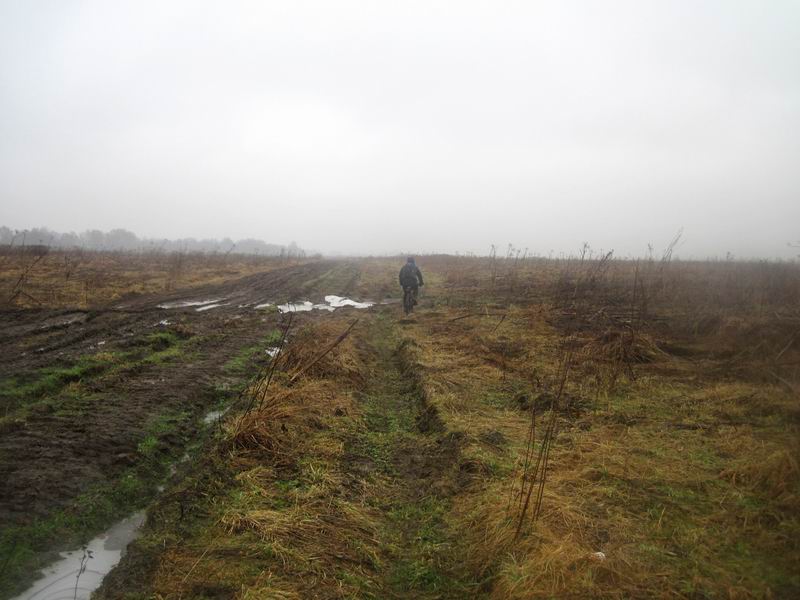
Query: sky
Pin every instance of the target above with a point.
(380, 127)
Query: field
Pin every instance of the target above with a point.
(538, 428)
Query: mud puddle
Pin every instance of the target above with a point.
(208, 307)
(213, 415)
(331, 304)
(190, 303)
(80, 572)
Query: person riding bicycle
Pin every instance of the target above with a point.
(411, 278)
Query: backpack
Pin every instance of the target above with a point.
(408, 275)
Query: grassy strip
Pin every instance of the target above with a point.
(414, 479)
(247, 357)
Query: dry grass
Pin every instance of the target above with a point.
(676, 451)
(284, 526)
(72, 278)
(309, 343)
(681, 463)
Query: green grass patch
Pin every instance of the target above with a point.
(50, 380)
(424, 552)
(244, 360)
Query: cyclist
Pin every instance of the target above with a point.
(411, 279)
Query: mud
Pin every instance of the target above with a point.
(56, 446)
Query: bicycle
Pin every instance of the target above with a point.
(409, 298)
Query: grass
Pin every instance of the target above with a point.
(686, 475)
(102, 277)
(50, 380)
(390, 468)
(420, 565)
(292, 520)
(247, 357)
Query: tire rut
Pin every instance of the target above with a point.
(412, 466)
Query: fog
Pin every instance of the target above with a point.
(377, 127)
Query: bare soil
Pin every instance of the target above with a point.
(60, 448)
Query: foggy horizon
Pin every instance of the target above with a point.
(367, 129)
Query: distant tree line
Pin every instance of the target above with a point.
(124, 240)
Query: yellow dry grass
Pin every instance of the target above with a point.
(687, 483)
(84, 279)
(673, 474)
(284, 526)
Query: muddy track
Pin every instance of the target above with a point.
(63, 444)
(55, 456)
(36, 338)
(416, 463)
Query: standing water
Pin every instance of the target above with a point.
(80, 572)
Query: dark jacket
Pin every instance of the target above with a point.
(410, 275)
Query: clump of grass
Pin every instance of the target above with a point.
(342, 363)
(265, 430)
(327, 528)
(19, 390)
(774, 473)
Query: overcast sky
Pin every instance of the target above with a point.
(378, 127)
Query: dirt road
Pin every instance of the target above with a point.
(97, 404)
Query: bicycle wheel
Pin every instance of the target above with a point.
(408, 301)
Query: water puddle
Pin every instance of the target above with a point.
(63, 320)
(339, 302)
(265, 305)
(80, 572)
(208, 307)
(188, 303)
(296, 307)
(332, 303)
(213, 415)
